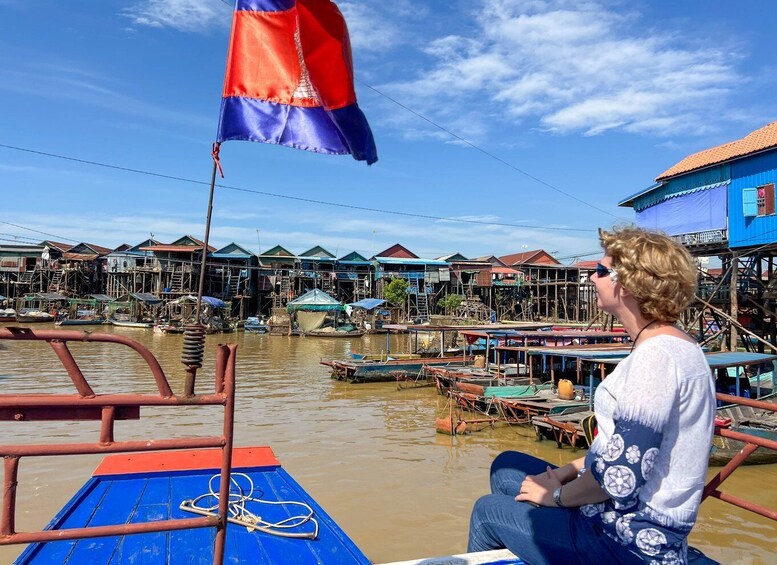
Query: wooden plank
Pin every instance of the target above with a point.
(190, 547)
(75, 514)
(116, 507)
(154, 505)
(184, 460)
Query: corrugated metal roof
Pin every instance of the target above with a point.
(628, 202)
(176, 248)
(409, 261)
(79, 256)
(759, 140)
(658, 196)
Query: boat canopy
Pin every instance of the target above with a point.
(213, 302)
(368, 303)
(2, 297)
(145, 297)
(45, 296)
(102, 297)
(314, 301)
(191, 299)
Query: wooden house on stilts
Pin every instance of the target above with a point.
(720, 203)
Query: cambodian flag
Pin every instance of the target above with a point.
(289, 79)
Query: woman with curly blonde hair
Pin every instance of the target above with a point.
(635, 496)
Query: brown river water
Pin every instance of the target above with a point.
(368, 453)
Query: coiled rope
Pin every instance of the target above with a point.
(240, 515)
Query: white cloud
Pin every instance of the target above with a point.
(339, 232)
(65, 82)
(367, 29)
(568, 66)
(191, 16)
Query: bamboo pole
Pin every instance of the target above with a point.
(734, 300)
(734, 322)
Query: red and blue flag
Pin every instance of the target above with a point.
(289, 79)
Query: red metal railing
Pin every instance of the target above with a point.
(108, 408)
(751, 444)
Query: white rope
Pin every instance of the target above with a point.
(239, 514)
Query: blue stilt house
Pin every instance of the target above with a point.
(720, 202)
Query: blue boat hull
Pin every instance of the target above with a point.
(148, 496)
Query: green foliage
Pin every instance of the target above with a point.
(396, 292)
(449, 303)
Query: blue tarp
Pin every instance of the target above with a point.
(368, 303)
(314, 301)
(689, 213)
(213, 302)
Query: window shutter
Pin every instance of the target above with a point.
(769, 199)
(750, 202)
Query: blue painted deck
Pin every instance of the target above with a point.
(131, 498)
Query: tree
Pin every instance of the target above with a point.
(396, 292)
(449, 303)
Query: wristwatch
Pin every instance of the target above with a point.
(557, 497)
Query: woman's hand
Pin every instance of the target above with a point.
(538, 489)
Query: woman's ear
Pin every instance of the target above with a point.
(622, 290)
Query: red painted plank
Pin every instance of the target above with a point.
(186, 460)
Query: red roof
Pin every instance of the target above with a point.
(505, 271)
(176, 248)
(398, 251)
(537, 256)
(759, 140)
(61, 246)
(585, 265)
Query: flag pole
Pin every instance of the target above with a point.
(203, 264)
(194, 333)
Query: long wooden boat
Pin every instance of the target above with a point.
(356, 371)
(751, 421)
(335, 333)
(81, 322)
(130, 324)
(7, 315)
(33, 317)
(183, 500)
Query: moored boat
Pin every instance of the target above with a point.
(335, 333)
(748, 420)
(255, 325)
(130, 324)
(81, 322)
(7, 315)
(375, 371)
(33, 317)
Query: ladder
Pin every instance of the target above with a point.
(280, 299)
(176, 281)
(361, 288)
(54, 282)
(234, 284)
(422, 305)
(326, 282)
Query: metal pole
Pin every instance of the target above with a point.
(203, 264)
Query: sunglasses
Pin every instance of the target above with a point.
(602, 271)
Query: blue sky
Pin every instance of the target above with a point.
(570, 107)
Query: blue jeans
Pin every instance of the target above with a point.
(538, 535)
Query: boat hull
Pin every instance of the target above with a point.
(22, 319)
(151, 486)
(81, 322)
(139, 325)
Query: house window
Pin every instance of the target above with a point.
(758, 201)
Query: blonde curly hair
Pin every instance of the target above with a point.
(654, 268)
